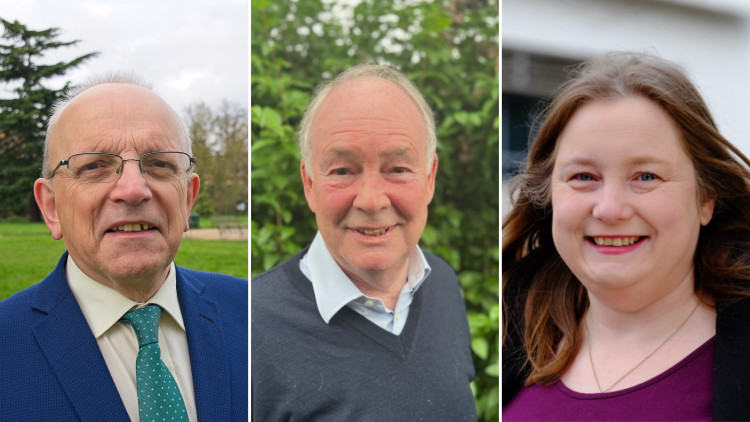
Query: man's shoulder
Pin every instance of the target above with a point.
(441, 272)
(281, 293)
(19, 302)
(214, 281)
(225, 290)
(44, 293)
(438, 263)
(268, 281)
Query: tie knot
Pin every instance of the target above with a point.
(145, 322)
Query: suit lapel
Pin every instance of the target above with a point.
(71, 350)
(208, 360)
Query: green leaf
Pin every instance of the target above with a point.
(480, 347)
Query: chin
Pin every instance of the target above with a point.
(374, 262)
(135, 265)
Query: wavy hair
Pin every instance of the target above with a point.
(551, 309)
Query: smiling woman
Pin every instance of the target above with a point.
(624, 256)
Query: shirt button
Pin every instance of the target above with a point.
(369, 303)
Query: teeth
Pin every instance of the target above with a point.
(616, 241)
(131, 227)
(377, 232)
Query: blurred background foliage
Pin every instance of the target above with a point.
(219, 138)
(449, 49)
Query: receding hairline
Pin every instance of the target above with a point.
(92, 83)
(368, 70)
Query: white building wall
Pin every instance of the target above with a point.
(710, 39)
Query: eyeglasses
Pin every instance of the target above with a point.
(104, 167)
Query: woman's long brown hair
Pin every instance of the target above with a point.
(555, 301)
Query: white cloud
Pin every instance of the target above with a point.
(190, 50)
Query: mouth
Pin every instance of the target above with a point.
(131, 228)
(615, 241)
(373, 232)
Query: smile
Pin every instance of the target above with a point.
(615, 241)
(374, 232)
(131, 228)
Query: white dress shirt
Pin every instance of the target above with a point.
(103, 307)
(334, 290)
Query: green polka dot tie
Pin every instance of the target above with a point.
(159, 398)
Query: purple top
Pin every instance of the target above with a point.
(681, 393)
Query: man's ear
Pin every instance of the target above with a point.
(44, 193)
(307, 182)
(431, 178)
(193, 186)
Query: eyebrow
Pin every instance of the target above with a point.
(639, 160)
(335, 153)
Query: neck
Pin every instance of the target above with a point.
(634, 310)
(383, 285)
(139, 289)
(631, 341)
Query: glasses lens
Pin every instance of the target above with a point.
(94, 168)
(166, 165)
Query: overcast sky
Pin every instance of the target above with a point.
(190, 50)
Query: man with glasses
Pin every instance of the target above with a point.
(117, 331)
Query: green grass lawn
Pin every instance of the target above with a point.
(28, 254)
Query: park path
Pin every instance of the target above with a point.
(214, 234)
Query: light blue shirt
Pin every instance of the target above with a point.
(334, 290)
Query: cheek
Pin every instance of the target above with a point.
(78, 206)
(173, 200)
(333, 202)
(566, 208)
(409, 203)
(667, 214)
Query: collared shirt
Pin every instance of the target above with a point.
(103, 307)
(334, 290)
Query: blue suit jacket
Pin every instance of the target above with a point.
(51, 367)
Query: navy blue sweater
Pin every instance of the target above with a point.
(351, 369)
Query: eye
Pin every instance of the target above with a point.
(159, 164)
(647, 177)
(340, 171)
(583, 177)
(91, 166)
(94, 166)
(399, 170)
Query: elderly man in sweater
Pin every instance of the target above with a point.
(361, 324)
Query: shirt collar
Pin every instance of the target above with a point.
(334, 290)
(103, 306)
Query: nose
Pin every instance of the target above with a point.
(612, 204)
(131, 186)
(372, 195)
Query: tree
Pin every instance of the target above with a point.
(220, 145)
(23, 117)
(450, 49)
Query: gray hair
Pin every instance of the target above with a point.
(359, 71)
(108, 78)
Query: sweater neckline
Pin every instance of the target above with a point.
(396, 344)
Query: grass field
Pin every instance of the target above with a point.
(28, 254)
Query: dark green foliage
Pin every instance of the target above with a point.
(24, 115)
(449, 49)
